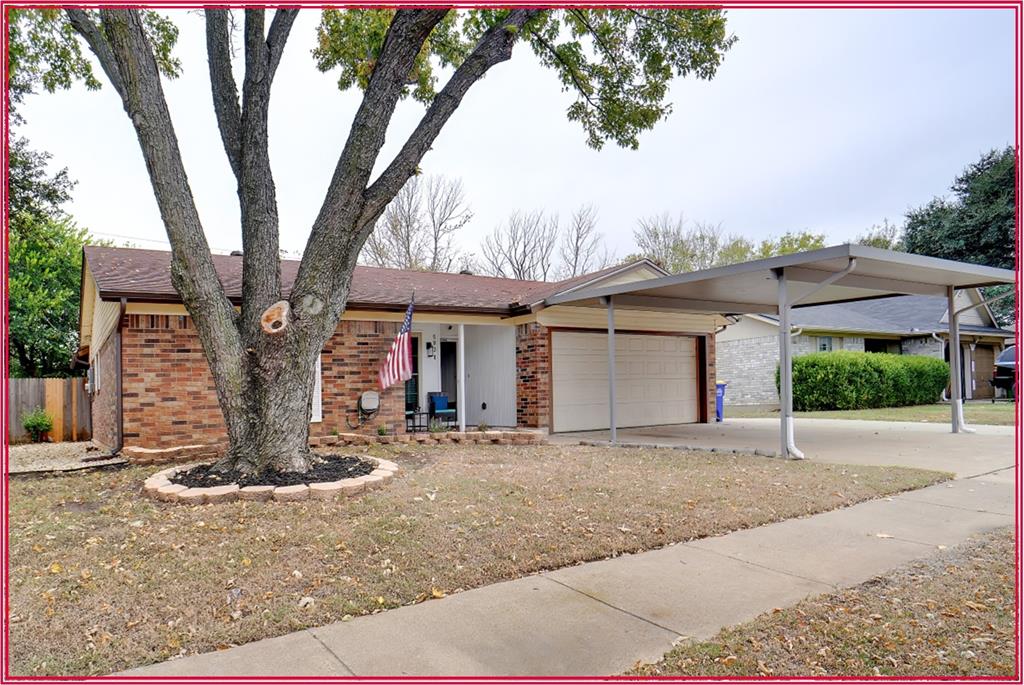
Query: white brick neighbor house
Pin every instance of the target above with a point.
(748, 350)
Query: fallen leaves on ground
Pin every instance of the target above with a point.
(951, 615)
(162, 580)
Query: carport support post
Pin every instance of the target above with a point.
(786, 437)
(607, 301)
(954, 361)
(461, 405)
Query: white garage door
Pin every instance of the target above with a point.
(655, 380)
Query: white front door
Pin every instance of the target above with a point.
(655, 380)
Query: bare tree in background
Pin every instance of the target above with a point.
(418, 226)
(398, 240)
(582, 249)
(446, 213)
(522, 247)
(663, 240)
(705, 241)
(703, 245)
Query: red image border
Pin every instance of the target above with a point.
(1017, 8)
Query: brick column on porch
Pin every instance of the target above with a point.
(711, 377)
(533, 376)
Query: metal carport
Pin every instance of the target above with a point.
(774, 286)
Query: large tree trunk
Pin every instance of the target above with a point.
(265, 378)
(269, 427)
(268, 412)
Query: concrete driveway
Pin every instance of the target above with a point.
(924, 445)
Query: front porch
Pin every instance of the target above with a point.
(464, 377)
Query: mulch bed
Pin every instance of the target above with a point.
(324, 471)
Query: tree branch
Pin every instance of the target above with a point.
(494, 47)
(222, 82)
(597, 36)
(257, 194)
(408, 31)
(334, 241)
(581, 88)
(651, 19)
(280, 27)
(85, 27)
(192, 269)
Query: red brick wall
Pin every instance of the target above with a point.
(169, 397)
(104, 400)
(348, 368)
(533, 376)
(170, 400)
(711, 377)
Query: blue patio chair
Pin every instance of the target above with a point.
(439, 409)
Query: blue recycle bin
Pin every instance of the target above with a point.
(719, 401)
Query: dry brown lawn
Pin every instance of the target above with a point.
(952, 615)
(103, 579)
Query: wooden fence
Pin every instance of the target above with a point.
(64, 399)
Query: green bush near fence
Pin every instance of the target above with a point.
(865, 380)
(37, 422)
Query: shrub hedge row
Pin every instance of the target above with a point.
(865, 380)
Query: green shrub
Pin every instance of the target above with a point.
(865, 380)
(382, 430)
(37, 422)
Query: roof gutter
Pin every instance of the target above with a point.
(166, 298)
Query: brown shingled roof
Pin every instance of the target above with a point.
(145, 275)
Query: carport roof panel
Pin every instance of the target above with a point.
(750, 287)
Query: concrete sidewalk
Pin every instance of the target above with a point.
(602, 617)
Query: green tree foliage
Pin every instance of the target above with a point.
(618, 63)
(44, 49)
(44, 272)
(975, 225)
(44, 258)
(44, 265)
(886, 236)
(865, 380)
(31, 187)
(679, 248)
(790, 242)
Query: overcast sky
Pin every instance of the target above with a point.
(827, 120)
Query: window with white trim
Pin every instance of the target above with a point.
(317, 413)
(825, 344)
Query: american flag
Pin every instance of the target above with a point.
(398, 365)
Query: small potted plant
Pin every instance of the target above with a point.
(37, 423)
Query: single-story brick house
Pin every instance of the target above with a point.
(748, 349)
(526, 364)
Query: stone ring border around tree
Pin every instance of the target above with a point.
(159, 487)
